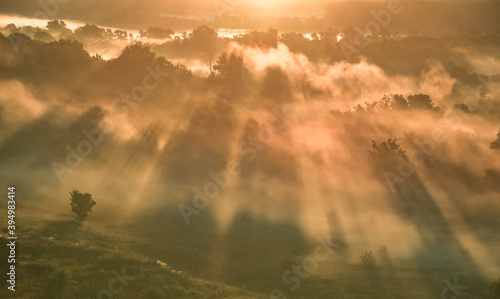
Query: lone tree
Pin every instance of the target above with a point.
(496, 144)
(81, 204)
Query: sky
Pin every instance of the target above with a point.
(187, 7)
(222, 107)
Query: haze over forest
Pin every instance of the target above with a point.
(224, 142)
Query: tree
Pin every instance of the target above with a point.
(367, 259)
(56, 26)
(496, 144)
(422, 101)
(232, 72)
(43, 36)
(121, 35)
(90, 31)
(81, 204)
(204, 39)
(158, 32)
(276, 85)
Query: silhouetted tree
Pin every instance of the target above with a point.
(81, 204)
(121, 35)
(391, 102)
(422, 101)
(90, 31)
(267, 39)
(204, 38)
(232, 72)
(56, 26)
(384, 156)
(496, 144)
(43, 36)
(276, 85)
(157, 32)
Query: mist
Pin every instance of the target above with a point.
(266, 138)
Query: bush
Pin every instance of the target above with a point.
(383, 253)
(494, 290)
(367, 260)
(81, 205)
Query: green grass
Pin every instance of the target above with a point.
(59, 259)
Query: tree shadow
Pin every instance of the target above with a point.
(63, 228)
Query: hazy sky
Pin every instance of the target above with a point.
(276, 7)
(166, 13)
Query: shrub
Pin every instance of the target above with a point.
(367, 259)
(383, 253)
(494, 290)
(81, 204)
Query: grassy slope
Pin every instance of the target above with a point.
(202, 262)
(53, 251)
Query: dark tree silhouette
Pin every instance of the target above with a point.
(232, 72)
(90, 31)
(81, 204)
(121, 34)
(267, 39)
(422, 101)
(56, 26)
(276, 85)
(496, 144)
(204, 38)
(156, 32)
(43, 36)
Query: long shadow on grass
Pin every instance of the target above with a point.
(254, 247)
(411, 200)
(62, 228)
